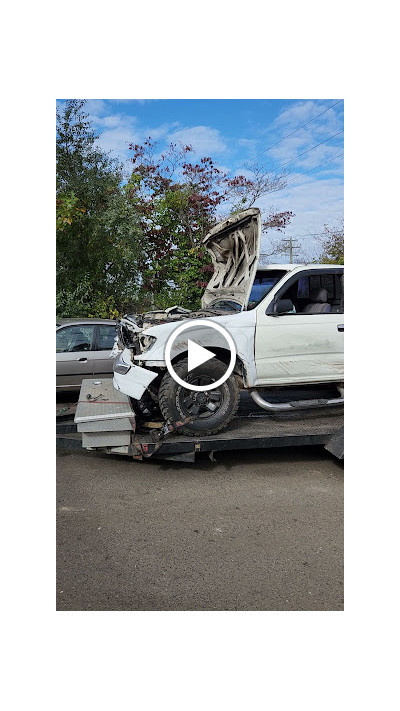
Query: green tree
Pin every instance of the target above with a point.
(98, 234)
(178, 201)
(333, 245)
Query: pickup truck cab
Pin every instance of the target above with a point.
(286, 321)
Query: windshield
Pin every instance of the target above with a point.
(225, 305)
(262, 285)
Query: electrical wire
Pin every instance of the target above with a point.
(307, 171)
(285, 137)
(309, 149)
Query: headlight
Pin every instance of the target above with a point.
(120, 366)
(146, 342)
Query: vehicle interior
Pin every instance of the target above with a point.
(316, 294)
(262, 284)
(74, 338)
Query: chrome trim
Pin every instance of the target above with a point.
(299, 404)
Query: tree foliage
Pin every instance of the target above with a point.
(178, 201)
(333, 245)
(125, 246)
(98, 236)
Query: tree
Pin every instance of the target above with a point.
(333, 245)
(98, 235)
(178, 202)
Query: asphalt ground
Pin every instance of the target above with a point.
(255, 530)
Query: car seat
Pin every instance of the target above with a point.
(318, 305)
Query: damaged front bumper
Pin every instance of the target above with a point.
(131, 379)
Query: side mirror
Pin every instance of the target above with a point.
(283, 306)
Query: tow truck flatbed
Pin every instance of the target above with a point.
(106, 422)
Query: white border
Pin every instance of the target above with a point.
(184, 327)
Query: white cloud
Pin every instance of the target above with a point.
(159, 132)
(290, 147)
(303, 111)
(205, 140)
(117, 130)
(95, 107)
(308, 138)
(250, 144)
(316, 156)
(314, 203)
(117, 140)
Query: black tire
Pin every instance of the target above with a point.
(147, 408)
(212, 410)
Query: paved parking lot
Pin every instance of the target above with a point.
(258, 530)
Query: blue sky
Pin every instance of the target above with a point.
(232, 132)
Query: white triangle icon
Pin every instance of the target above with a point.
(197, 355)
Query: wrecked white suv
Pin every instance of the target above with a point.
(286, 321)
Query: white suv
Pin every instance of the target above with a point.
(286, 321)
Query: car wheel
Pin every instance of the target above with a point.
(211, 410)
(147, 408)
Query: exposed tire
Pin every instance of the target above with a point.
(211, 410)
(147, 408)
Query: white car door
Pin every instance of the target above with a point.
(298, 347)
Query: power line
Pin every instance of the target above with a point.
(285, 137)
(310, 149)
(307, 171)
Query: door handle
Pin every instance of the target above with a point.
(340, 327)
(84, 360)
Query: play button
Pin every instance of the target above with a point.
(199, 331)
(197, 355)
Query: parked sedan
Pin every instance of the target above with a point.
(83, 347)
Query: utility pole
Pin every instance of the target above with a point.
(292, 248)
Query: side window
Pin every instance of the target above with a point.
(319, 293)
(62, 339)
(106, 337)
(72, 339)
(328, 283)
(303, 288)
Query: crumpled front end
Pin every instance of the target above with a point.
(129, 378)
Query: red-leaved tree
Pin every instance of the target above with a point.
(177, 202)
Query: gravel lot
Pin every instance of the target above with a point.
(258, 530)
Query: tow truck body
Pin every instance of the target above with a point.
(105, 422)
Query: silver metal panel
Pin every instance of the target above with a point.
(120, 450)
(116, 424)
(105, 439)
(104, 403)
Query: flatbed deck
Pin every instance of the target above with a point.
(252, 428)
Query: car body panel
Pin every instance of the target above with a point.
(274, 350)
(241, 327)
(135, 381)
(234, 246)
(72, 366)
(298, 348)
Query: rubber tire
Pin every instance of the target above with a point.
(147, 409)
(168, 400)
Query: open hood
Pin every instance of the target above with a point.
(234, 246)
